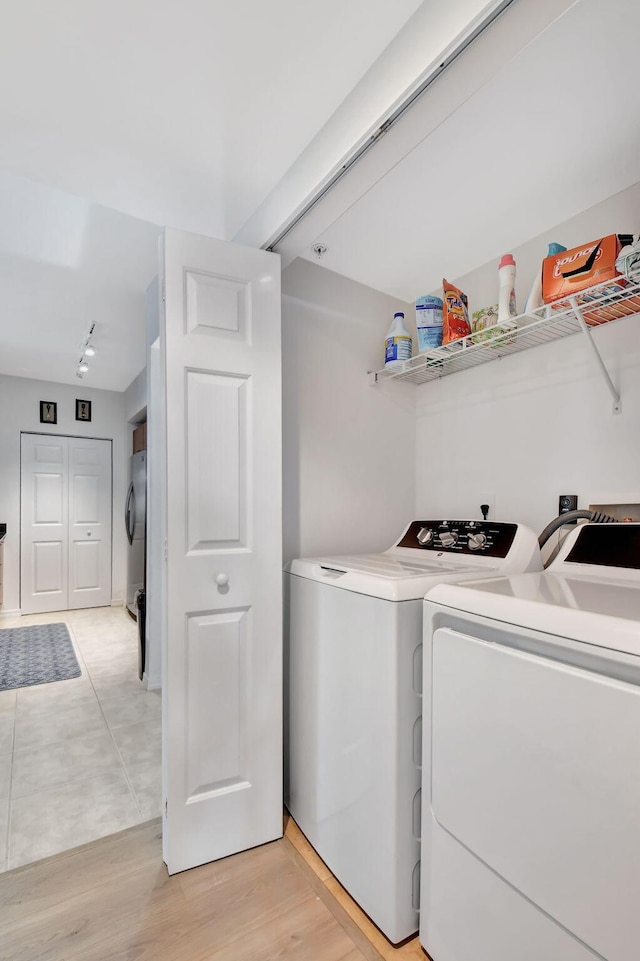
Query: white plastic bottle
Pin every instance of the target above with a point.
(397, 345)
(507, 296)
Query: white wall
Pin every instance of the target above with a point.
(348, 448)
(156, 499)
(135, 399)
(156, 510)
(20, 405)
(531, 427)
(618, 214)
(537, 424)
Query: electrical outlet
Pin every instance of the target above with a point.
(566, 503)
(490, 500)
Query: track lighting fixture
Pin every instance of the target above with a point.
(88, 350)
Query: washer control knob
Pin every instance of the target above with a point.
(477, 541)
(425, 536)
(448, 538)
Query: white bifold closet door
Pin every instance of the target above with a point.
(222, 684)
(65, 537)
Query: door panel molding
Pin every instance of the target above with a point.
(222, 671)
(65, 505)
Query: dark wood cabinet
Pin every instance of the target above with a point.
(140, 438)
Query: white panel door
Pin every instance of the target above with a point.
(44, 524)
(65, 536)
(89, 523)
(222, 683)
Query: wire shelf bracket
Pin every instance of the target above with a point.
(586, 330)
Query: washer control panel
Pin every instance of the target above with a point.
(607, 545)
(487, 538)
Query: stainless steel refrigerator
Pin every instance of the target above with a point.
(135, 523)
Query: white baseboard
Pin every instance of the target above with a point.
(117, 601)
(15, 613)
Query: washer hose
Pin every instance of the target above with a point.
(594, 516)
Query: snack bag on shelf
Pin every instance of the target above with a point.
(485, 328)
(455, 314)
(483, 323)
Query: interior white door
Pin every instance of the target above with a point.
(222, 687)
(44, 525)
(65, 536)
(90, 511)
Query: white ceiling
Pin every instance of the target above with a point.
(554, 131)
(223, 118)
(191, 115)
(184, 114)
(64, 264)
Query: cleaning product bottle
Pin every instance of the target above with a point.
(397, 345)
(534, 300)
(507, 296)
(507, 309)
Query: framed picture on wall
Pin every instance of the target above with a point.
(83, 410)
(48, 412)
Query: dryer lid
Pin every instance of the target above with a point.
(600, 611)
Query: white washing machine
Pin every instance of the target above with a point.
(531, 778)
(354, 667)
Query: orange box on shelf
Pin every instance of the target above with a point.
(571, 273)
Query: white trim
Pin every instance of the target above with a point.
(482, 60)
(152, 683)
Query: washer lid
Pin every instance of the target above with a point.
(600, 611)
(384, 575)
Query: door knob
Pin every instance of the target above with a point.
(222, 580)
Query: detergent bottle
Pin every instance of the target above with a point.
(507, 293)
(534, 300)
(397, 345)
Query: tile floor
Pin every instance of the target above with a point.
(79, 759)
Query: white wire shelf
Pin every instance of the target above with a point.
(602, 303)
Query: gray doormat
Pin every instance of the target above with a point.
(36, 655)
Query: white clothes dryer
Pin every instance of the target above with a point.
(531, 759)
(354, 681)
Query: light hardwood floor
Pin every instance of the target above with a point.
(368, 937)
(112, 900)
